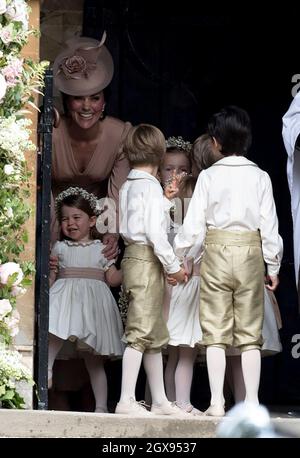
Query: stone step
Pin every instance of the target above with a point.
(33, 423)
(56, 424)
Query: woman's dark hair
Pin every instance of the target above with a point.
(231, 127)
(77, 201)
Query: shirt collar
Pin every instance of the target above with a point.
(135, 174)
(235, 160)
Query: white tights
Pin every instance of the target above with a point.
(95, 368)
(55, 344)
(179, 373)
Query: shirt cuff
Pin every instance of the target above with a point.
(273, 270)
(173, 268)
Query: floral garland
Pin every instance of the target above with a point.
(76, 191)
(20, 79)
(178, 143)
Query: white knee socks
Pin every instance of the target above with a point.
(236, 381)
(132, 360)
(251, 363)
(154, 369)
(216, 364)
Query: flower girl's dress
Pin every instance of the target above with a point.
(82, 307)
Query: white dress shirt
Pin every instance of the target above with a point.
(290, 132)
(234, 195)
(144, 213)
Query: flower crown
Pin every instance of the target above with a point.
(91, 198)
(179, 143)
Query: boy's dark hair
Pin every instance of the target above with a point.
(144, 145)
(231, 127)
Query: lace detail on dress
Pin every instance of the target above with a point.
(90, 242)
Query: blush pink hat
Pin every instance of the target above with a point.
(85, 67)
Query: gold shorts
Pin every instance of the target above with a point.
(143, 280)
(231, 294)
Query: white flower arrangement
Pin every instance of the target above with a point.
(20, 79)
(15, 138)
(12, 372)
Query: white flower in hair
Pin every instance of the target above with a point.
(75, 191)
(179, 143)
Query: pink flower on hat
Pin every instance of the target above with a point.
(74, 67)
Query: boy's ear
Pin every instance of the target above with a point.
(93, 220)
(216, 143)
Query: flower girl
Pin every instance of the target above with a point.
(82, 307)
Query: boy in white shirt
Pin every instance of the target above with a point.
(143, 226)
(233, 211)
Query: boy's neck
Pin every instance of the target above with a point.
(152, 169)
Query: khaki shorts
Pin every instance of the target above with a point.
(231, 294)
(143, 280)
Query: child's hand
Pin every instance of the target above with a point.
(180, 276)
(170, 191)
(272, 281)
(171, 281)
(171, 186)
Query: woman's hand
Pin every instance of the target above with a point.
(53, 263)
(111, 250)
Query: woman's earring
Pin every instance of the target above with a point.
(102, 112)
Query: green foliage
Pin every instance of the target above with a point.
(20, 80)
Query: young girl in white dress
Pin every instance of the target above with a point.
(181, 302)
(82, 307)
(182, 314)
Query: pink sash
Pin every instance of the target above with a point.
(81, 272)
